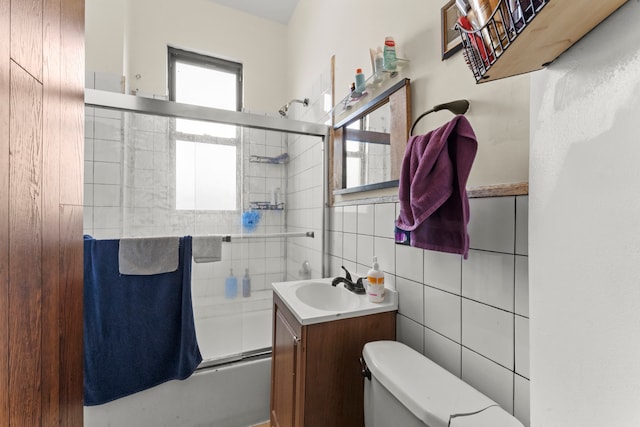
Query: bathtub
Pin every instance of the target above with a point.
(234, 395)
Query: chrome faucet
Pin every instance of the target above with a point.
(356, 287)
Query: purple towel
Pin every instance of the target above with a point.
(433, 198)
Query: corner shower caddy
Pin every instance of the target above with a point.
(527, 35)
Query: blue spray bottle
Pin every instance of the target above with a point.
(231, 286)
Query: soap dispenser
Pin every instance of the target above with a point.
(375, 285)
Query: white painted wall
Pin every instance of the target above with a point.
(584, 231)
(499, 110)
(132, 38)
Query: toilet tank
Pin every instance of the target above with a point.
(407, 389)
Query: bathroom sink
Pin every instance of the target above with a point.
(316, 301)
(323, 296)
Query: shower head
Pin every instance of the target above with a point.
(285, 108)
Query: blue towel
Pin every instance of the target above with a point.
(138, 330)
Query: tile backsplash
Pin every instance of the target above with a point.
(470, 316)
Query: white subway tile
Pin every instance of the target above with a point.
(443, 351)
(443, 270)
(385, 250)
(106, 173)
(88, 195)
(442, 312)
(385, 217)
(365, 219)
(88, 149)
(522, 286)
(365, 249)
(488, 331)
(488, 277)
(409, 262)
(410, 299)
(521, 405)
(350, 246)
(350, 219)
(335, 219)
(489, 378)
(492, 224)
(522, 225)
(522, 346)
(335, 243)
(107, 151)
(410, 333)
(107, 217)
(88, 172)
(106, 195)
(106, 128)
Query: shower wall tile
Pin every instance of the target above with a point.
(488, 277)
(443, 351)
(488, 377)
(105, 128)
(107, 151)
(88, 149)
(106, 195)
(106, 173)
(107, 217)
(488, 331)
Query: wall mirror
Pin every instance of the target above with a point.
(369, 139)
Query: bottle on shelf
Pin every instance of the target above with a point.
(375, 285)
(389, 54)
(360, 86)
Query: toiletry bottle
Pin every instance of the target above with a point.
(360, 81)
(389, 54)
(246, 284)
(378, 65)
(375, 286)
(231, 286)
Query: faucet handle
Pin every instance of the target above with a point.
(348, 276)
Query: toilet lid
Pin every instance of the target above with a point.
(431, 393)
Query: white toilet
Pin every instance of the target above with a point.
(405, 389)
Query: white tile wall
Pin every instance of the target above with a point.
(470, 316)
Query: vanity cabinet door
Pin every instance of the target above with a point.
(285, 404)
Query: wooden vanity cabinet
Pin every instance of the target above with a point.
(316, 376)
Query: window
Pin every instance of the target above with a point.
(206, 153)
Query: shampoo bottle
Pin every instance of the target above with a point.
(375, 288)
(246, 284)
(231, 286)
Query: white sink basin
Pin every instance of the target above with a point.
(316, 301)
(323, 296)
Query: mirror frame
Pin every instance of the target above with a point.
(399, 98)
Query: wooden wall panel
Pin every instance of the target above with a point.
(71, 282)
(26, 35)
(51, 76)
(4, 209)
(25, 243)
(72, 89)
